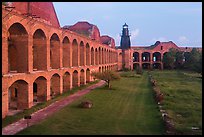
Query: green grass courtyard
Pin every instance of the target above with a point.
(129, 108)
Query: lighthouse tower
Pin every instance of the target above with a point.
(125, 38)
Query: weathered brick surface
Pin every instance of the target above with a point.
(45, 55)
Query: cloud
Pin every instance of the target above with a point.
(161, 39)
(134, 34)
(183, 39)
(117, 40)
(106, 17)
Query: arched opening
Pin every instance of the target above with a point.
(136, 57)
(55, 85)
(100, 69)
(54, 51)
(109, 56)
(102, 52)
(156, 56)
(99, 55)
(66, 82)
(17, 49)
(18, 96)
(164, 64)
(136, 66)
(96, 56)
(39, 51)
(75, 79)
(156, 65)
(74, 53)
(88, 75)
(104, 56)
(66, 52)
(82, 53)
(146, 66)
(145, 57)
(87, 54)
(82, 77)
(40, 89)
(92, 56)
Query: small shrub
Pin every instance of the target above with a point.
(86, 104)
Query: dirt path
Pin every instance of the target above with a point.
(43, 113)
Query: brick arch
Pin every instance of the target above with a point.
(100, 55)
(66, 81)
(147, 55)
(54, 51)
(17, 48)
(39, 50)
(82, 77)
(75, 49)
(88, 54)
(96, 56)
(75, 78)
(105, 56)
(92, 56)
(136, 56)
(40, 89)
(41, 27)
(18, 95)
(88, 75)
(82, 53)
(57, 33)
(55, 84)
(156, 56)
(12, 21)
(66, 51)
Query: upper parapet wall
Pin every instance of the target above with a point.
(108, 41)
(44, 10)
(86, 29)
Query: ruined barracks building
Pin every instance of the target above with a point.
(40, 59)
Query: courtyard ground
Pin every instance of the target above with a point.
(128, 108)
(182, 99)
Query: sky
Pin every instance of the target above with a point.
(180, 22)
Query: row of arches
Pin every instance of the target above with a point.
(148, 66)
(51, 52)
(45, 87)
(147, 57)
(18, 92)
(111, 67)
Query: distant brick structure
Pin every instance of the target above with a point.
(146, 57)
(86, 29)
(40, 59)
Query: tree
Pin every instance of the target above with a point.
(179, 59)
(107, 76)
(169, 59)
(194, 60)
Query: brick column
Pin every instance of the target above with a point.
(71, 80)
(30, 53)
(48, 53)
(61, 55)
(4, 54)
(48, 90)
(61, 85)
(4, 100)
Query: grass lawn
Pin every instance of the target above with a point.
(182, 98)
(128, 108)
